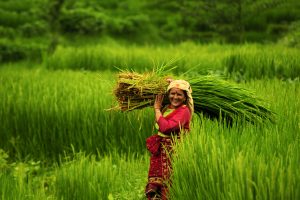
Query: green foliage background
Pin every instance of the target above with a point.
(152, 21)
(58, 64)
(31, 28)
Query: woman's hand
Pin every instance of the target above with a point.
(158, 101)
(157, 106)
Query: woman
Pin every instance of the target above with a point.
(171, 122)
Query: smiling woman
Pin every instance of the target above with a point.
(177, 97)
(171, 121)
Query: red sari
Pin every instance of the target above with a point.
(160, 145)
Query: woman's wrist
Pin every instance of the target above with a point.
(157, 114)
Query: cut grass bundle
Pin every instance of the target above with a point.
(213, 97)
(217, 98)
(135, 91)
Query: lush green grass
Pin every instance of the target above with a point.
(112, 55)
(48, 115)
(241, 61)
(114, 176)
(77, 177)
(248, 62)
(43, 113)
(244, 161)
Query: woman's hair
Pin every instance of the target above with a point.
(185, 95)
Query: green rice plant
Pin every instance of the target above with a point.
(256, 62)
(244, 161)
(237, 163)
(20, 180)
(111, 56)
(243, 62)
(77, 176)
(283, 98)
(46, 113)
(43, 113)
(111, 177)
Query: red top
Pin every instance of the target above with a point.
(174, 122)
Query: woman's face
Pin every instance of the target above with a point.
(176, 97)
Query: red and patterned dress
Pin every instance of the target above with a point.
(170, 125)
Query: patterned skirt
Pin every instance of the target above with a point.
(160, 166)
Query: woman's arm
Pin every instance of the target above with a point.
(157, 106)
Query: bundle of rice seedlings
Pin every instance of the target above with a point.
(217, 98)
(213, 97)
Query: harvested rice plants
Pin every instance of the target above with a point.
(62, 138)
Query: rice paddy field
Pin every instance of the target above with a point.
(61, 139)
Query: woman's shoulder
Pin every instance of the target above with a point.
(185, 109)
